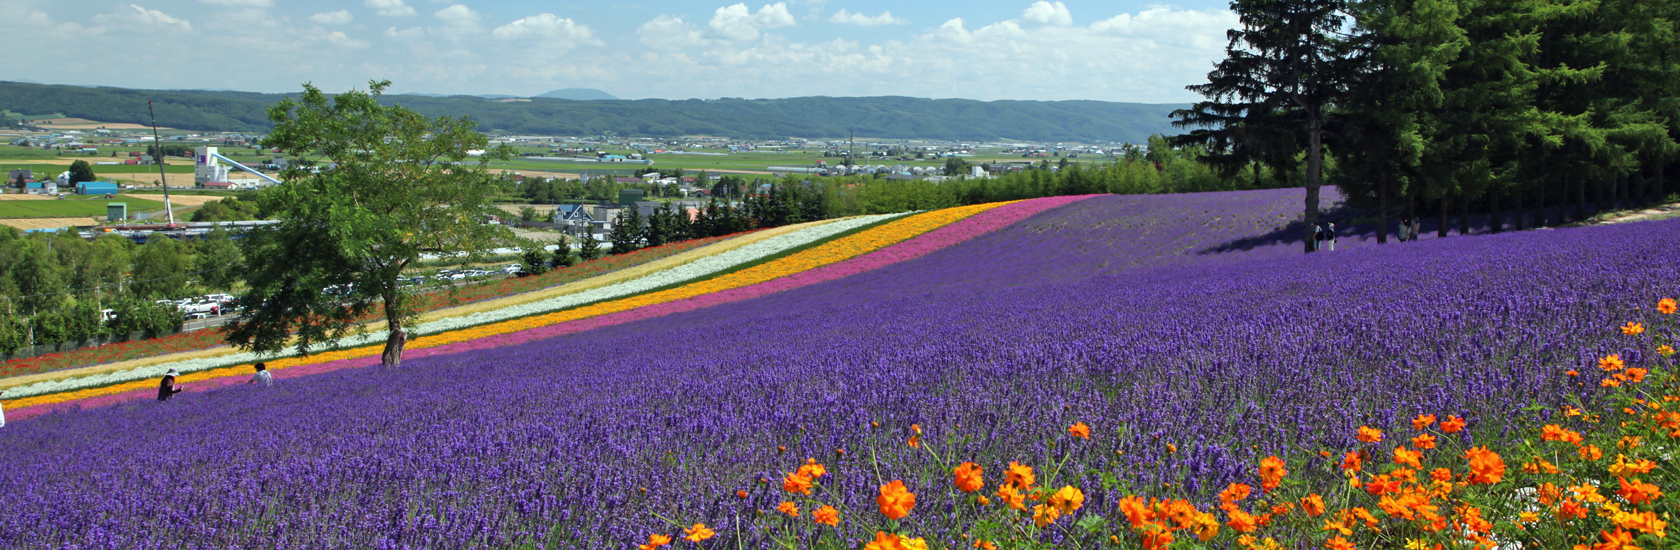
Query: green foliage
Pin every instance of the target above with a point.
(230, 209)
(160, 269)
(814, 117)
(627, 231)
(534, 259)
(528, 213)
(81, 171)
(563, 257)
(588, 247)
(218, 261)
(132, 316)
(402, 185)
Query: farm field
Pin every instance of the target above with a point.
(73, 206)
(1185, 331)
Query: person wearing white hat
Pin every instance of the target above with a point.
(167, 388)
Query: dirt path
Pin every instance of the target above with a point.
(48, 223)
(1661, 212)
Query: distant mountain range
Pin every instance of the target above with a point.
(806, 117)
(579, 94)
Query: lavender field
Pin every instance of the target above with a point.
(1161, 319)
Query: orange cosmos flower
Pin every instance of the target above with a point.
(1571, 411)
(1619, 540)
(1572, 372)
(1633, 329)
(1351, 461)
(1424, 441)
(788, 508)
(1382, 485)
(1011, 496)
(1045, 515)
(968, 478)
(1408, 457)
(1067, 499)
(1239, 520)
(1441, 474)
(1611, 363)
(1540, 465)
(1156, 536)
(1486, 468)
(915, 441)
(1339, 543)
(916, 428)
(699, 532)
(1234, 493)
(1313, 505)
(1019, 476)
(1589, 453)
(1368, 434)
(1452, 425)
(797, 483)
(827, 515)
(655, 541)
(812, 469)
(1271, 473)
(742, 494)
(1666, 306)
(1423, 421)
(1641, 521)
(895, 501)
(983, 545)
(1665, 350)
(1624, 468)
(884, 541)
(1636, 374)
(1638, 492)
(1080, 430)
(1571, 510)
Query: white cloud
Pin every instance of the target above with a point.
(242, 3)
(457, 14)
(886, 18)
(338, 38)
(555, 33)
(339, 17)
(1048, 14)
(736, 22)
(146, 17)
(405, 34)
(390, 8)
(668, 33)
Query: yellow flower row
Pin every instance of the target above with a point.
(827, 253)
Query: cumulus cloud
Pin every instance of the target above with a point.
(1048, 14)
(554, 32)
(339, 17)
(241, 3)
(736, 22)
(886, 18)
(457, 14)
(390, 8)
(404, 34)
(338, 38)
(668, 33)
(146, 17)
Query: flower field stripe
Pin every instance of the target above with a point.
(497, 334)
(60, 391)
(591, 283)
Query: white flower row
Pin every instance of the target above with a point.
(702, 267)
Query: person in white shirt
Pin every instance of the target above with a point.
(2, 412)
(262, 376)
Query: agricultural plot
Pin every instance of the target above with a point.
(77, 206)
(1160, 346)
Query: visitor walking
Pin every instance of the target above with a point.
(1330, 235)
(167, 387)
(1417, 227)
(1405, 225)
(262, 376)
(1318, 236)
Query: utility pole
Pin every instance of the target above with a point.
(851, 145)
(158, 144)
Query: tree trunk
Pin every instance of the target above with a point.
(1580, 199)
(1636, 194)
(1618, 193)
(1464, 215)
(1657, 182)
(1382, 207)
(392, 357)
(1496, 218)
(1598, 195)
(1517, 214)
(1441, 226)
(1315, 164)
(1540, 202)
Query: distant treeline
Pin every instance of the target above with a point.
(810, 117)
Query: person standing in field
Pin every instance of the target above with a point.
(1405, 225)
(262, 376)
(1330, 235)
(167, 387)
(1416, 227)
(2, 411)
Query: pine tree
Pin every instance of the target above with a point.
(1285, 67)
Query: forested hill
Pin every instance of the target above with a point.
(808, 117)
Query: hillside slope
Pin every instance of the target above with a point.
(807, 117)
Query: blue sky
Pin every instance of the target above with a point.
(1112, 51)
